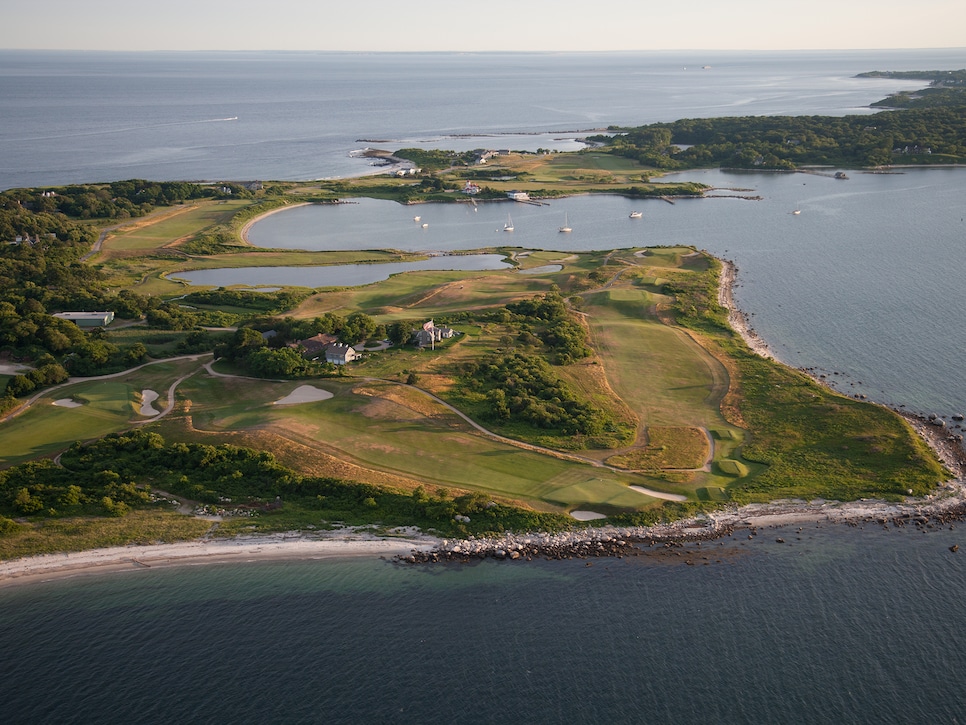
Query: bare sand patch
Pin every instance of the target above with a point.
(67, 403)
(587, 515)
(304, 394)
(147, 398)
(12, 368)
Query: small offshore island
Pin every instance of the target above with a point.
(619, 386)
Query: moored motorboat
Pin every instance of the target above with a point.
(636, 214)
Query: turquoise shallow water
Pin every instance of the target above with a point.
(835, 625)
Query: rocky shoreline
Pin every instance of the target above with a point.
(948, 508)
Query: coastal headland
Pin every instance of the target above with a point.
(946, 506)
(716, 430)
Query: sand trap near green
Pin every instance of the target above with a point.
(147, 399)
(304, 394)
(659, 494)
(587, 515)
(67, 403)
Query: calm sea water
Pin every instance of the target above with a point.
(841, 625)
(82, 117)
(836, 625)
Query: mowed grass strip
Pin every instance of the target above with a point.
(659, 371)
(171, 225)
(106, 406)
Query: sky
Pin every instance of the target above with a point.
(493, 25)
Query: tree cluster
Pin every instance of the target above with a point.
(786, 142)
(525, 388)
(259, 302)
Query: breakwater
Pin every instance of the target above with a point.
(584, 544)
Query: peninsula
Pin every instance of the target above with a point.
(462, 403)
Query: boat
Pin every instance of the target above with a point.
(636, 215)
(425, 225)
(508, 227)
(416, 218)
(566, 225)
(797, 211)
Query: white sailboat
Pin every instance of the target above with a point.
(508, 227)
(566, 225)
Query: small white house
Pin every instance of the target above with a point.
(340, 354)
(87, 319)
(518, 195)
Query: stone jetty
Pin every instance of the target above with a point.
(578, 544)
(942, 511)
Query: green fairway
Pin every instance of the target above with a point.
(45, 428)
(412, 437)
(87, 410)
(658, 370)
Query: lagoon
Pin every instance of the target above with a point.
(342, 275)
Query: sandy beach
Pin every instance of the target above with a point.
(293, 545)
(251, 222)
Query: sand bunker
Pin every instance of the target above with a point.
(147, 398)
(659, 494)
(587, 515)
(67, 403)
(545, 269)
(304, 394)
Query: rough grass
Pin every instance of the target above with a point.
(149, 526)
(668, 448)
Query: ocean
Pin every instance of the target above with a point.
(70, 117)
(837, 624)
